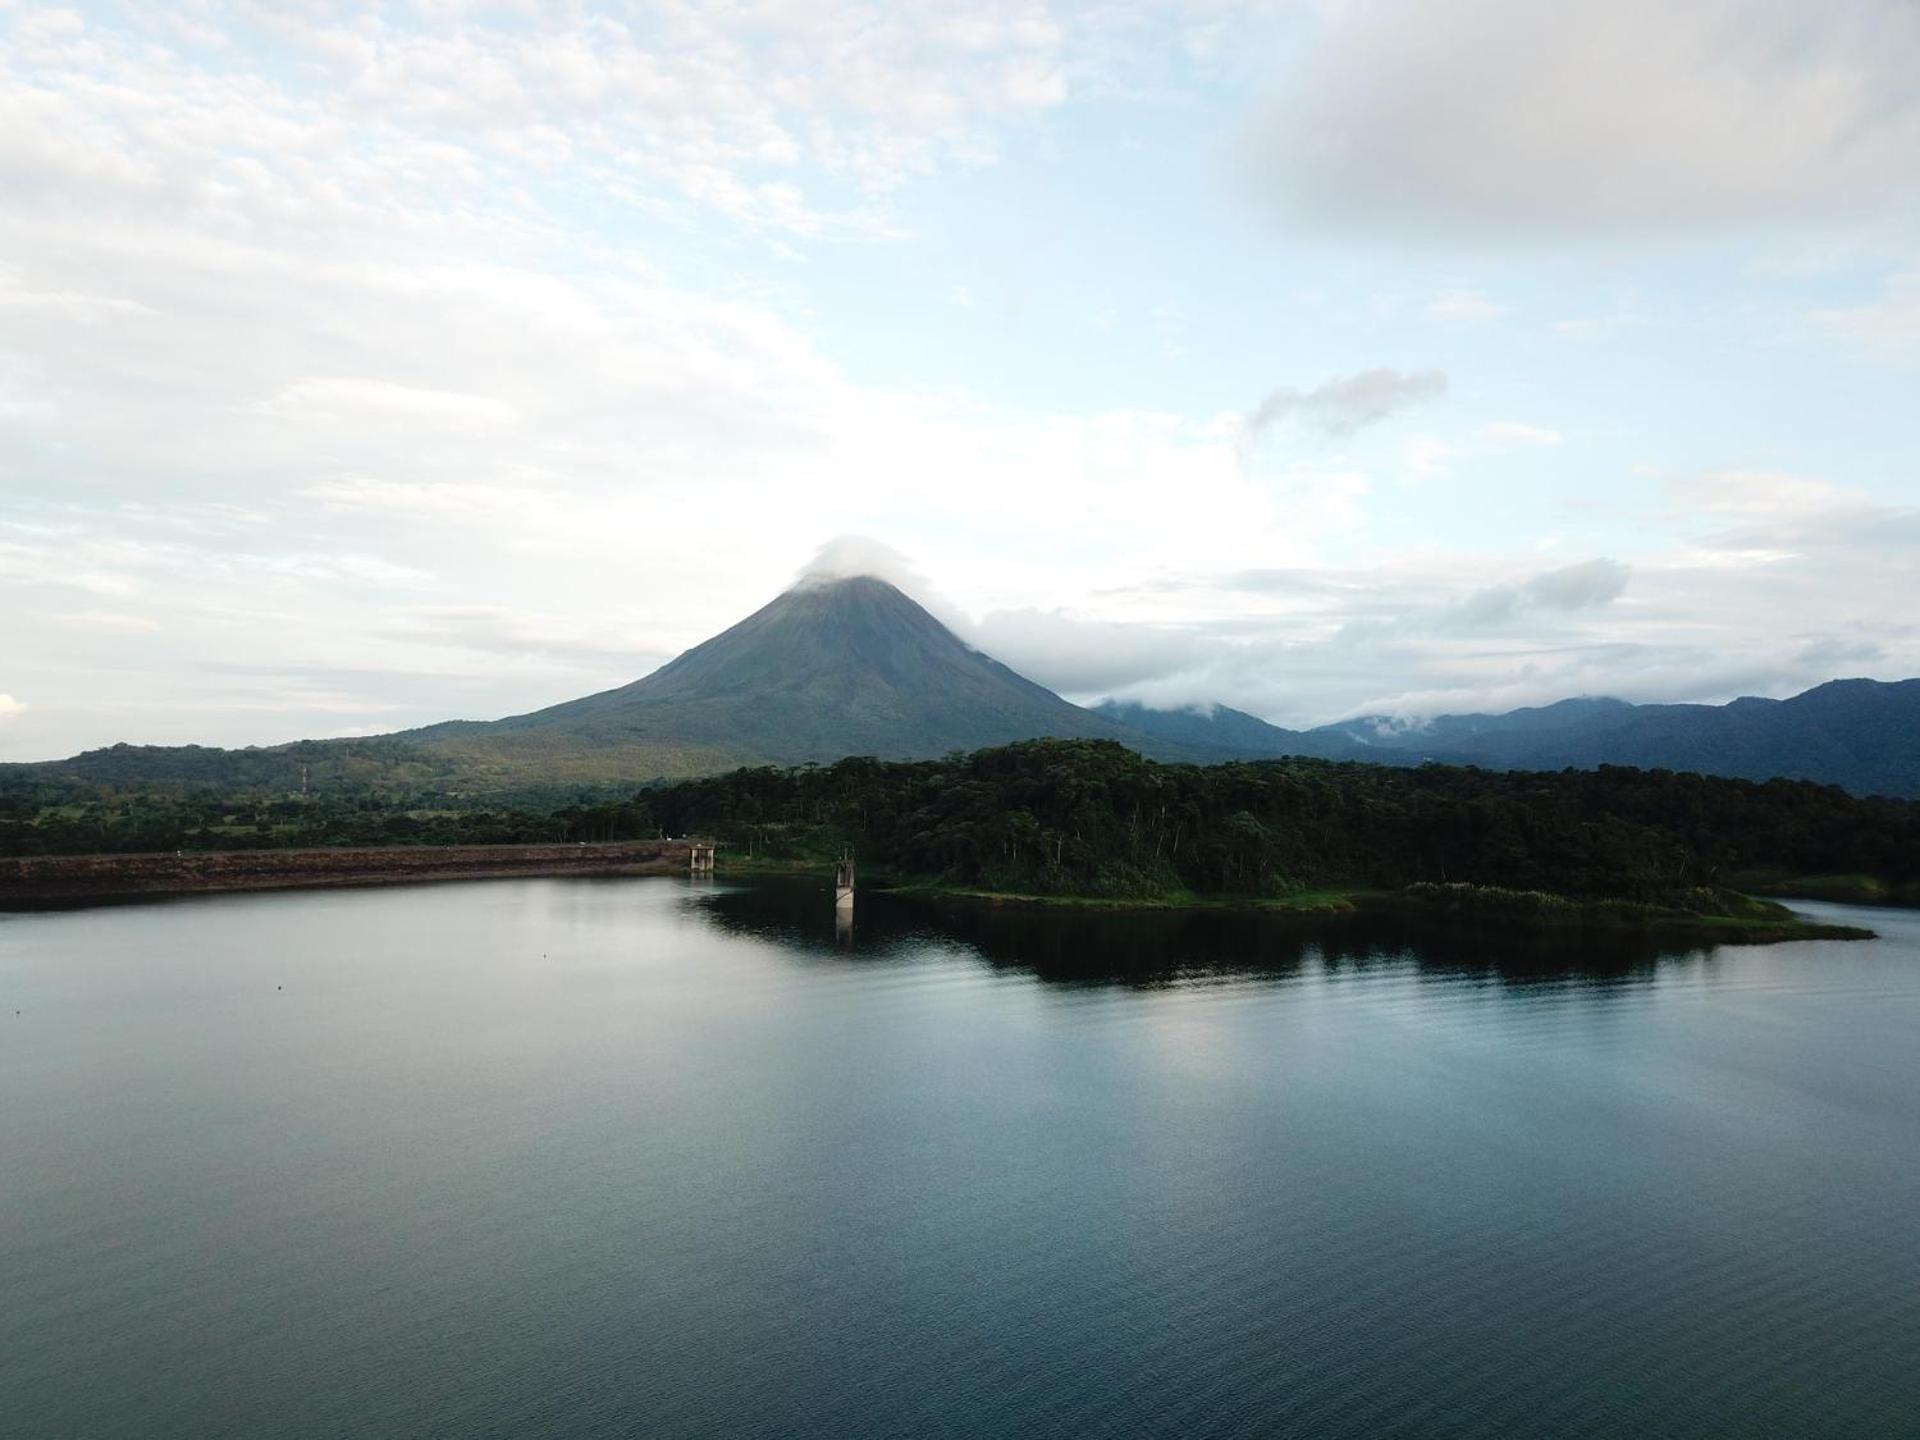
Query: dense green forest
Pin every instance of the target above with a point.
(1093, 818)
(82, 820)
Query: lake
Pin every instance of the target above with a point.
(612, 1157)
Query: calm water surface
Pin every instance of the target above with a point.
(628, 1157)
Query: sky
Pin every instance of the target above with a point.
(368, 366)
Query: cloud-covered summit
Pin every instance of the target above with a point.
(847, 557)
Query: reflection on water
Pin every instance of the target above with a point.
(1152, 948)
(600, 1158)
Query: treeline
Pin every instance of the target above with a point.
(1092, 818)
(347, 766)
(108, 821)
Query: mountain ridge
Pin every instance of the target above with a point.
(853, 666)
(1861, 734)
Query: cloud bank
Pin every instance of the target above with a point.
(1484, 117)
(1573, 587)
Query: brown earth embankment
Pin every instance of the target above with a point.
(60, 879)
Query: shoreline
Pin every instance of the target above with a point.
(54, 881)
(1765, 922)
(50, 881)
(1842, 889)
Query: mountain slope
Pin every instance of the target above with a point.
(1862, 734)
(851, 667)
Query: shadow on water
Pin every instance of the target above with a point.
(1153, 948)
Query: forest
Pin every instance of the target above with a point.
(1091, 818)
(1095, 818)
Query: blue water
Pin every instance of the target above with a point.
(630, 1157)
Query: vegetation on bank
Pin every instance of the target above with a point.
(1093, 821)
(1709, 915)
(1303, 902)
(109, 820)
(1849, 889)
(1089, 819)
(1706, 912)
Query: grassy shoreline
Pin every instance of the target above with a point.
(1847, 889)
(1305, 902)
(1721, 915)
(1743, 919)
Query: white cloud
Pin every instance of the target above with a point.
(1756, 494)
(1463, 307)
(10, 708)
(1428, 457)
(358, 399)
(1078, 656)
(847, 556)
(1889, 323)
(1484, 116)
(109, 622)
(490, 502)
(1518, 435)
(625, 650)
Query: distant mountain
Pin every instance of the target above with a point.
(1578, 716)
(854, 667)
(1221, 732)
(1860, 734)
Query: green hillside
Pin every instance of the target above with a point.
(849, 667)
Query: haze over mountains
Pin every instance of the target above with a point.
(853, 666)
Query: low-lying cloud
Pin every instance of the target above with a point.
(1077, 656)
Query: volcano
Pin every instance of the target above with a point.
(828, 669)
